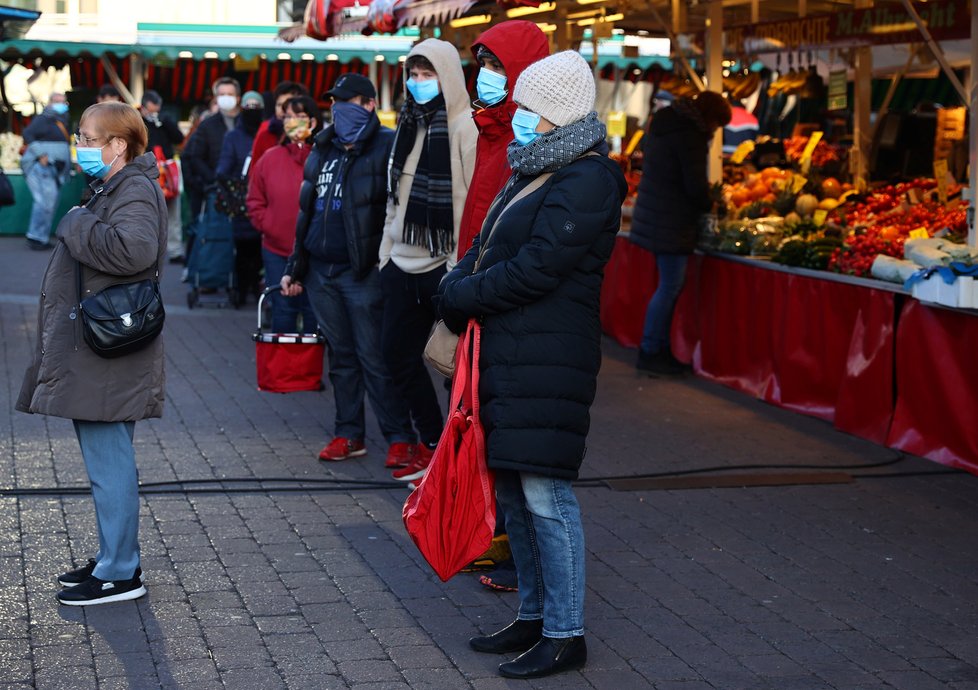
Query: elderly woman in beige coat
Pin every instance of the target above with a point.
(117, 237)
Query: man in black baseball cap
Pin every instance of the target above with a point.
(342, 207)
(349, 86)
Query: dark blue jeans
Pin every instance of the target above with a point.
(658, 315)
(349, 312)
(286, 310)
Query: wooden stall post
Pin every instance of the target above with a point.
(973, 129)
(714, 78)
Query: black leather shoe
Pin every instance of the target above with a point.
(518, 636)
(548, 656)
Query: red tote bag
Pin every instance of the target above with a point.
(451, 516)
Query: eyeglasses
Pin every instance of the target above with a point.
(82, 140)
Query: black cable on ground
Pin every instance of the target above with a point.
(317, 485)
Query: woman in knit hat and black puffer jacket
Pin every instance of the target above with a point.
(536, 293)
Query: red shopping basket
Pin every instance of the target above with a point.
(288, 362)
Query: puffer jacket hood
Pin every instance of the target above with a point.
(444, 58)
(668, 121)
(517, 44)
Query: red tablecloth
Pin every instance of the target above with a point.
(832, 350)
(937, 396)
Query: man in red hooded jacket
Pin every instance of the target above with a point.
(502, 53)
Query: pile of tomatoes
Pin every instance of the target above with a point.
(824, 154)
(856, 256)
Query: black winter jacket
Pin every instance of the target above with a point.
(364, 209)
(163, 132)
(537, 294)
(202, 152)
(674, 190)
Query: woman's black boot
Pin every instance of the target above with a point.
(548, 656)
(518, 636)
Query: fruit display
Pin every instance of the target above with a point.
(823, 156)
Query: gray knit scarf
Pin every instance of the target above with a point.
(558, 147)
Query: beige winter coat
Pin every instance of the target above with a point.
(118, 238)
(462, 139)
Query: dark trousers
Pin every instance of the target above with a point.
(408, 318)
(247, 266)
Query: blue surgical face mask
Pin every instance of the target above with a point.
(525, 126)
(422, 91)
(59, 108)
(491, 86)
(90, 161)
(349, 120)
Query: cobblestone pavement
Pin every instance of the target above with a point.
(866, 584)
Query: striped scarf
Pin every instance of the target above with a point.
(428, 221)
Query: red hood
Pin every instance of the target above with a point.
(517, 44)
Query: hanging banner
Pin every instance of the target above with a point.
(885, 23)
(838, 90)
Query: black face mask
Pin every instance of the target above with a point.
(252, 118)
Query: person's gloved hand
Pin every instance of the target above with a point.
(455, 320)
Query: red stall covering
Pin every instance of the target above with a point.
(810, 344)
(936, 393)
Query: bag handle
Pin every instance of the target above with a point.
(465, 383)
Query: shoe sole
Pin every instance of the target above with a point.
(411, 477)
(124, 596)
(576, 666)
(354, 454)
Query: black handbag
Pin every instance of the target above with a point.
(6, 190)
(123, 318)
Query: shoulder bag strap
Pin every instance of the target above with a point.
(64, 130)
(537, 182)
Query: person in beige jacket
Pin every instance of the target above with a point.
(429, 172)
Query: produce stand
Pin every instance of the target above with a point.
(15, 219)
(860, 354)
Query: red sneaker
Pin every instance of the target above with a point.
(417, 468)
(342, 448)
(399, 455)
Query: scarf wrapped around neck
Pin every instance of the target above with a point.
(428, 220)
(558, 147)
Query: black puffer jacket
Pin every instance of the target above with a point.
(537, 294)
(364, 209)
(674, 191)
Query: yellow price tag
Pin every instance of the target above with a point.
(388, 118)
(797, 183)
(940, 174)
(819, 217)
(616, 123)
(806, 155)
(919, 233)
(744, 149)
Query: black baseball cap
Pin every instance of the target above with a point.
(351, 85)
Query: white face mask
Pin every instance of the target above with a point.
(227, 103)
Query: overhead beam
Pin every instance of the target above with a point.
(937, 51)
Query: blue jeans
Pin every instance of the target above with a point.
(44, 188)
(658, 315)
(286, 310)
(349, 312)
(111, 463)
(543, 520)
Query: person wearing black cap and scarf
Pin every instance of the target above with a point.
(342, 206)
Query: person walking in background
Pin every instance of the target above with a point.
(272, 131)
(343, 204)
(672, 195)
(203, 147)
(502, 52)
(431, 164)
(165, 135)
(233, 168)
(273, 206)
(536, 294)
(120, 236)
(46, 163)
(108, 94)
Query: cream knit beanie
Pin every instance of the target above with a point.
(559, 88)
